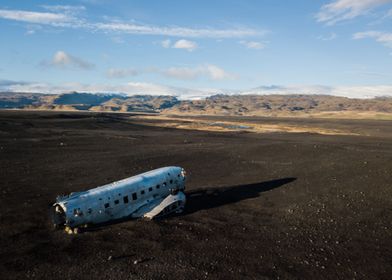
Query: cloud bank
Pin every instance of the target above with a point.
(206, 71)
(134, 88)
(67, 17)
(209, 71)
(130, 88)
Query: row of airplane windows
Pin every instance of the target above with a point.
(77, 212)
(134, 195)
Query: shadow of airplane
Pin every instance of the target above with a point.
(208, 198)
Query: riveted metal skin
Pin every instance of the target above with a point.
(151, 194)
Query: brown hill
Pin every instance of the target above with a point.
(246, 105)
(86, 102)
(276, 105)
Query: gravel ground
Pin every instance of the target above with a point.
(260, 206)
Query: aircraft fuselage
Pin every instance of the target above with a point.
(149, 194)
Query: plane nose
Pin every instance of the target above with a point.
(183, 173)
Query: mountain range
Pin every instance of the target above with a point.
(247, 105)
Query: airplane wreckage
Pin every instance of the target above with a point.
(156, 193)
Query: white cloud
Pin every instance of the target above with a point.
(65, 16)
(36, 17)
(180, 44)
(252, 45)
(139, 29)
(209, 71)
(166, 43)
(205, 71)
(62, 59)
(366, 34)
(381, 37)
(121, 73)
(340, 10)
(344, 91)
(217, 73)
(185, 44)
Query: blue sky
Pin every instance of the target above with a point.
(197, 48)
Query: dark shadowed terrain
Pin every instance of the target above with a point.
(260, 206)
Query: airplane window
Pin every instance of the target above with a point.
(126, 199)
(158, 186)
(150, 189)
(116, 201)
(107, 205)
(142, 192)
(134, 196)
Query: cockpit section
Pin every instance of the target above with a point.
(176, 182)
(58, 216)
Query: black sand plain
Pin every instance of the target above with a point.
(260, 206)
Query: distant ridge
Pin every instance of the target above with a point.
(86, 102)
(246, 105)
